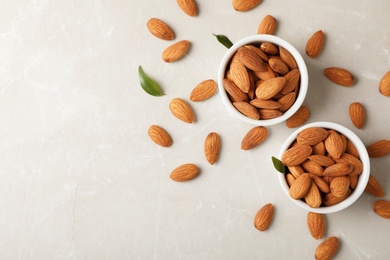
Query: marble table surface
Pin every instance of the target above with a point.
(80, 177)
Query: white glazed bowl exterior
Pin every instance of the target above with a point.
(363, 178)
(256, 39)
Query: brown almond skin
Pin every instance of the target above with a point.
(287, 58)
(382, 208)
(235, 93)
(384, 85)
(160, 29)
(299, 117)
(319, 149)
(264, 217)
(322, 185)
(269, 104)
(330, 199)
(182, 110)
(278, 66)
(267, 25)
(254, 137)
(322, 160)
(379, 148)
(313, 196)
(188, 6)
(327, 248)
(312, 167)
(334, 144)
(374, 188)
(251, 59)
(357, 114)
(315, 44)
(339, 186)
(176, 51)
(270, 88)
(292, 83)
(312, 135)
(159, 136)
(247, 109)
(296, 155)
(357, 165)
(300, 186)
(287, 101)
(269, 74)
(212, 147)
(266, 114)
(316, 225)
(246, 5)
(184, 172)
(203, 90)
(337, 170)
(269, 48)
(340, 76)
(239, 75)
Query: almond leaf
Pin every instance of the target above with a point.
(279, 166)
(148, 84)
(224, 40)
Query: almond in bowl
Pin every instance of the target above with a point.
(263, 79)
(327, 167)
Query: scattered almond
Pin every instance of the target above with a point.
(212, 147)
(184, 172)
(245, 5)
(384, 85)
(379, 148)
(160, 29)
(382, 208)
(203, 90)
(315, 44)
(182, 110)
(254, 137)
(374, 188)
(340, 76)
(357, 114)
(327, 248)
(267, 25)
(264, 217)
(159, 136)
(176, 51)
(299, 117)
(188, 6)
(316, 224)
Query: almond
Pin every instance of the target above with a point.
(327, 248)
(321, 160)
(319, 149)
(384, 85)
(176, 51)
(290, 179)
(160, 29)
(188, 6)
(245, 5)
(203, 90)
(316, 224)
(278, 66)
(299, 117)
(212, 147)
(296, 155)
(322, 185)
(334, 144)
(287, 101)
(269, 48)
(295, 170)
(270, 88)
(339, 76)
(312, 167)
(181, 110)
(357, 165)
(159, 136)
(313, 196)
(351, 149)
(354, 181)
(339, 186)
(312, 135)
(315, 44)
(287, 58)
(292, 82)
(247, 110)
(264, 217)
(379, 148)
(258, 51)
(374, 188)
(267, 25)
(268, 104)
(266, 114)
(266, 75)
(236, 95)
(240, 75)
(382, 208)
(184, 172)
(254, 137)
(357, 114)
(330, 199)
(300, 186)
(338, 169)
(250, 59)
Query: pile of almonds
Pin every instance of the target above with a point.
(262, 81)
(347, 162)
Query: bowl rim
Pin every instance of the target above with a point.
(363, 179)
(301, 66)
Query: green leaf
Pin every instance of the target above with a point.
(279, 166)
(148, 84)
(224, 40)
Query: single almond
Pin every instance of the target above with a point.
(351, 149)
(270, 88)
(250, 59)
(382, 208)
(322, 160)
(247, 109)
(254, 137)
(300, 186)
(339, 186)
(374, 188)
(212, 147)
(290, 179)
(322, 185)
(384, 85)
(312, 167)
(357, 114)
(203, 90)
(313, 196)
(337, 170)
(292, 82)
(330, 199)
(184, 172)
(354, 181)
(316, 224)
(269, 48)
(299, 117)
(319, 149)
(295, 170)
(345, 142)
(287, 101)
(278, 66)
(379, 148)
(182, 110)
(268, 104)
(240, 75)
(160, 29)
(159, 136)
(176, 51)
(266, 75)
(296, 155)
(245, 5)
(312, 135)
(258, 51)
(264, 217)
(267, 25)
(340, 76)
(287, 58)
(315, 44)
(188, 6)
(327, 248)
(357, 165)
(334, 144)
(236, 95)
(266, 114)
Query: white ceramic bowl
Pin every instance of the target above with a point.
(363, 178)
(256, 39)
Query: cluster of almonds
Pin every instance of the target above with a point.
(181, 109)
